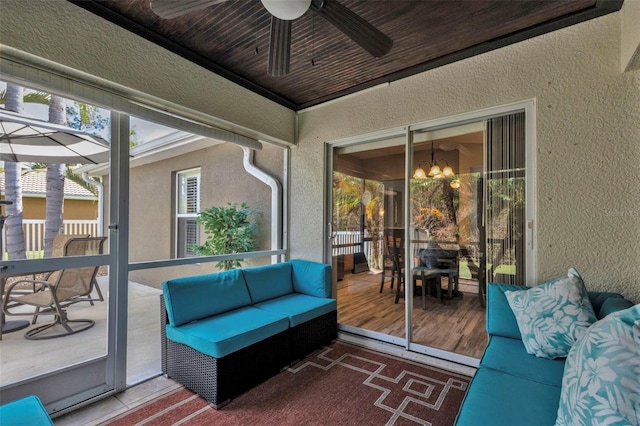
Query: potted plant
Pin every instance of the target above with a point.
(229, 230)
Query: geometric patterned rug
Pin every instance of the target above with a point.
(341, 384)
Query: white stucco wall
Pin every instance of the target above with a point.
(68, 35)
(588, 140)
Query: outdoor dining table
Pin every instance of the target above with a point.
(426, 273)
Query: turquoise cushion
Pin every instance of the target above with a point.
(311, 278)
(553, 316)
(229, 332)
(510, 356)
(499, 399)
(268, 281)
(614, 304)
(300, 308)
(601, 382)
(27, 411)
(598, 298)
(192, 298)
(500, 318)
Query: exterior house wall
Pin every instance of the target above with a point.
(223, 180)
(35, 208)
(588, 144)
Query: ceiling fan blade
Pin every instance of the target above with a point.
(279, 47)
(353, 26)
(173, 8)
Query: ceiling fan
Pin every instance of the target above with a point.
(283, 12)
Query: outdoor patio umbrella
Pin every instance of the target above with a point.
(26, 139)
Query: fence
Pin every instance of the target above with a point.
(34, 234)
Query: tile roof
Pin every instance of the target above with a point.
(35, 183)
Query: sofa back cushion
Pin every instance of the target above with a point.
(613, 304)
(268, 281)
(605, 303)
(201, 296)
(311, 278)
(500, 318)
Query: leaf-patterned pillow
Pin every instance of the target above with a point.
(601, 381)
(552, 316)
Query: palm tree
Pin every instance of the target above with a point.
(55, 182)
(13, 184)
(13, 99)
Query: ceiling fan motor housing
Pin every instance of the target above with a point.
(287, 10)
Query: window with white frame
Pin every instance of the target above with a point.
(187, 208)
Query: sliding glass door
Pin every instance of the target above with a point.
(436, 211)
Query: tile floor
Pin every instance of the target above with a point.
(110, 407)
(143, 351)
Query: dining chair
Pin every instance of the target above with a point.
(63, 289)
(388, 265)
(394, 244)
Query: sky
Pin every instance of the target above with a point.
(145, 130)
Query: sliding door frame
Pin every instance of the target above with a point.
(529, 107)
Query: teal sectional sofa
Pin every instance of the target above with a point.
(512, 387)
(225, 332)
(27, 411)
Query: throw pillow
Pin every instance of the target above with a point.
(601, 381)
(552, 316)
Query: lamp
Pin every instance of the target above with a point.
(434, 171)
(287, 10)
(419, 173)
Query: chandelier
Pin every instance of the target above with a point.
(434, 169)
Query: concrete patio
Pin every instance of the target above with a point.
(21, 359)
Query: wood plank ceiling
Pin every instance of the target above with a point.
(232, 39)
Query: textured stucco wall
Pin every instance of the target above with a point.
(36, 208)
(68, 35)
(223, 180)
(588, 142)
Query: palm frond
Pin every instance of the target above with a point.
(76, 178)
(37, 98)
(29, 97)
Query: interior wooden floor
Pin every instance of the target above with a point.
(456, 325)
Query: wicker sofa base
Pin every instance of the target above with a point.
(312, 335)
(220, 379)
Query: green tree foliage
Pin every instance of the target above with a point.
(434, 207)
(86, 117)
(229, 230)
(134, 138)
(351, 212)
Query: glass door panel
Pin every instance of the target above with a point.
(368, 250)
(445, 210)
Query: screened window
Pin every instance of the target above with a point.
(188, 206)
